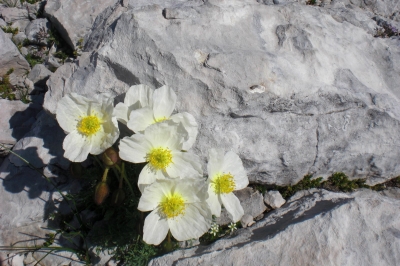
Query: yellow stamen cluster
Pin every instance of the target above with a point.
(159, 158)
(157, 120)
(172, 205)
(223, 183)
(89, 125)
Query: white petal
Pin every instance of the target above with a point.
(189, 123)
(69, 110)
(148, 176)
(76, 147)
(140, 119)
(105, 138)
(164, 135)
(134, 149)
(192, 224)
(215, 160)
(232, 205)
(164, 100)
(192, 190)
(139, 96)
(213, 202)
(184, 165)
(121, 112)
(153, 194)
(155, 228)
(233, 164)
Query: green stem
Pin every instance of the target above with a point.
(104, 178)
(123, 175)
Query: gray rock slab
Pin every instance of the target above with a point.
(16, 120)
(12, 14)
(74, 19)
(10, 57)
(19, 38)
(39, 75)
(291, 89)
(321, 228)
(37, 31)
(2, 23)
(274, 199)
(252, 202)
(42, 145)
(27, 201)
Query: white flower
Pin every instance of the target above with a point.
(160, 146)
(232, 227)
(176, 205)
(214, 229)
(144, 106)
(225, 175)
(90, 124)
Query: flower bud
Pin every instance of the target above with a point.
(110, 157)
(118, 196)
(101, 193)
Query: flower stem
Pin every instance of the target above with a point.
(104, 178)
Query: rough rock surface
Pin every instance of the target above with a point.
(10, 57)
(252, 202)
(16, 120)
(37, 31)
(292, 88)
(320, 228)
(42, 145)
(39, 75)
(27, 201)
(74, 19)
(274, 199)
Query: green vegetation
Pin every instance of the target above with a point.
(311, 2)
(10, 3)
(336, 182)
(116, 225)
(9, 29)
(33, 59)
(6, 89)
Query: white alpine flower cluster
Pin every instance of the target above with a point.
(173, 188)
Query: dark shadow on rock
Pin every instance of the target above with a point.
(22, 121)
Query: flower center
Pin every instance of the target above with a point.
(89, 125)
(159, 158)
(172, 205)
(160, 119)
(223, 183)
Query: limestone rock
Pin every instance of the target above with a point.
(274, 199)
(290, 88)
(252, 202)
(11, 58)
(247, 220)
(323, 228)
(37, 31)
(2, 23)
(19, 38)
(12, 14)
(39, 75)
(74, 19)
(16, 120)
(42, 145)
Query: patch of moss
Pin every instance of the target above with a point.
(9, 29)
(340, 182)
(6, 89)
(306, 183)
(33, 59)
